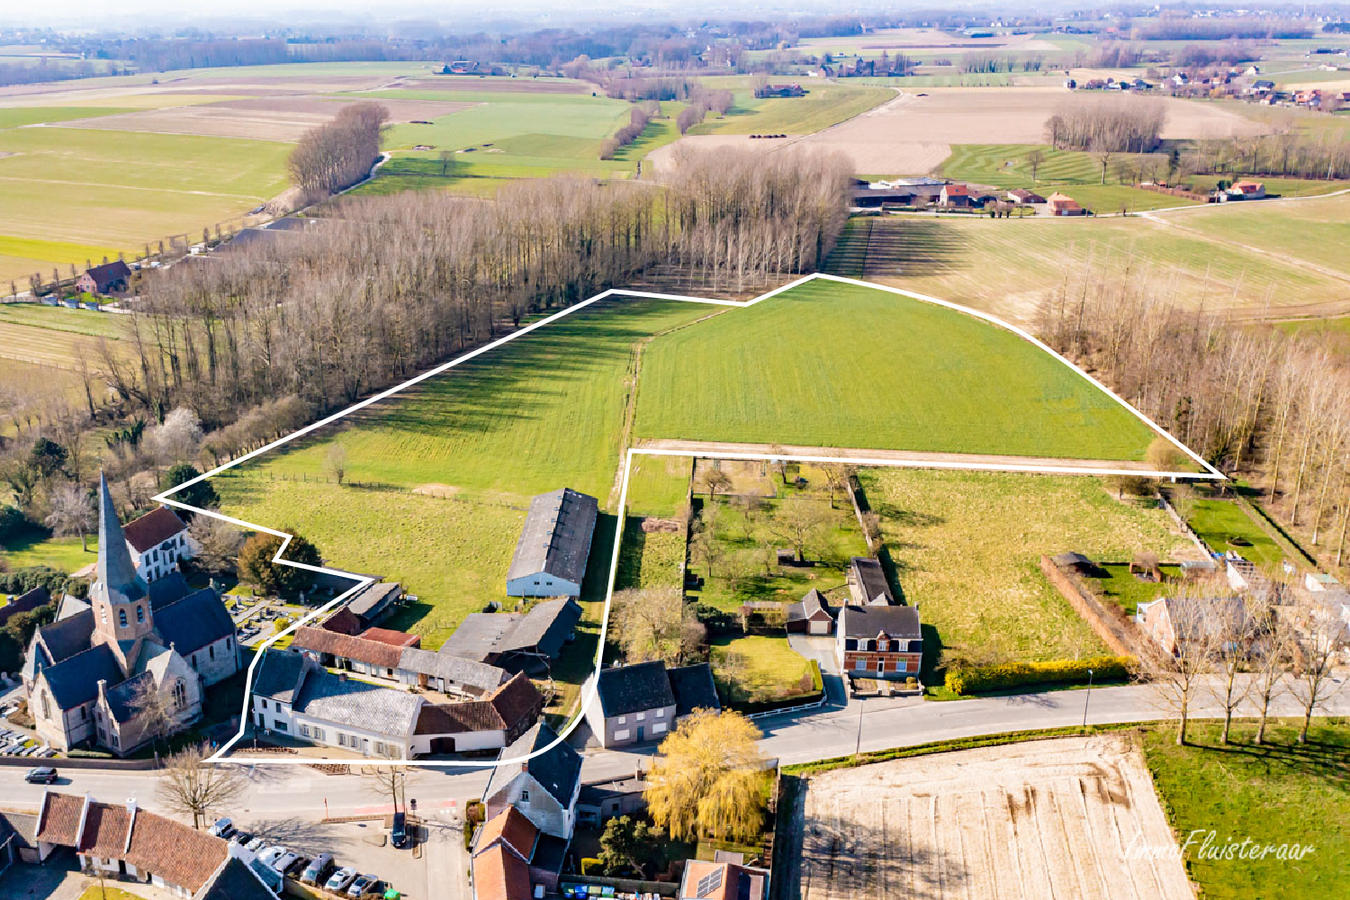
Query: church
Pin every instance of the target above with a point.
(132, 664)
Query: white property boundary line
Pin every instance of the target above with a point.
(589, 692)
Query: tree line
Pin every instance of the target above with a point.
(379, 288)
(1120, 124)
(1271, 407)
(338, 153)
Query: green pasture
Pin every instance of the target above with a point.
(1224, 526)
(1316, 230)
(1008, 266)
(824, 105)
(967, 546)
(772, 668)
(1278, 793)
(1127, 591)
(657, 485)
(38, 548)
(648, 560)
(120, 189)
(58, 318)
(841, 365)
(543, 411)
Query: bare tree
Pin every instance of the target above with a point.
(336, 462)
(72, 512)
(1234, 626)
(190, 785)
(714, 481)
(1272, 657)
(799, 521)
(655, 623)
(217, 543)
(837, 477)
(1322, 635)
(1177, 678)
(390, 782)
(1034, 160)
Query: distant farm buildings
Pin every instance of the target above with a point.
(550, 558)
(109, 278)
(1064, 205)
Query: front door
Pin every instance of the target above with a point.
(639, 733)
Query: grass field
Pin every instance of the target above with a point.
(1315, 230)
(823, 106)
(64, 554)
(1009, 266)
(1279, 793)
(72, 194)
(15, 117)
(1221, 522)
(874, 369)
(772, 669)
(966, 548)
(657, 485)
(1122, 588)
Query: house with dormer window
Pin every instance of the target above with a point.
(879, 642)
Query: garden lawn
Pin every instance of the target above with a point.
(94, 892)
(1126, 591)
(967, 546)
(841, 365)
(64, 554)
(772, 669)
(1278, 793)
(648, 560)
(541, 412)
(658, 485)
(1220, 522)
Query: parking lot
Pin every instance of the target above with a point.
(435, 855)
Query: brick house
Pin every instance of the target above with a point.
(879, 642)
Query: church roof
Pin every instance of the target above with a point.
(74, 681)
(116, 573)
(122, 697)
(190, 624)
(66, 637)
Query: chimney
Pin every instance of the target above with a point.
(131, 822)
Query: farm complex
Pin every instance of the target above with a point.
(453, 455)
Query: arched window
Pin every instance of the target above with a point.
(46, 706)
(179, 694)
(122, 618)
(140, 614)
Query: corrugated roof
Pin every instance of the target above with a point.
(557, 535)
(467, 672)
(345, 701)
(544, 628)
(373, 598)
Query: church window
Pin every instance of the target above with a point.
(140, 614)
(46, 706)
(179, 694)
(122, 618)
(211, 651)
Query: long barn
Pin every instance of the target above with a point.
(550, 559)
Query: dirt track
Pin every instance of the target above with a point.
(1040, 820)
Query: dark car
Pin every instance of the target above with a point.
(41, 775)
(398, 833)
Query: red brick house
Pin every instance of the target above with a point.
(879, 641)
(109, 278)
(1064, 205)
(955, 195)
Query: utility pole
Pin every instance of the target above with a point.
(1086, 699)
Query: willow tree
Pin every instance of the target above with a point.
(708, 780)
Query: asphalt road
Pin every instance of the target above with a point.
(874, 724)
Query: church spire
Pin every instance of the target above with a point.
(116, 571)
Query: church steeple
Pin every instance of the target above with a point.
(116, 571)
(118, 595)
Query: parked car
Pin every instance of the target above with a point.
(318, 869)
(340, 879)
(41, 775)
(363, 886)
(283, 862)
(222, 828)
(398, 832)
(241, 837)
(257, 844)
(269, 855)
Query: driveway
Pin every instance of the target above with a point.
(821, 649)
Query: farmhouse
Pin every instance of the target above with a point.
(955, 196)
(643, 701)
(91, 677)
(487, 724)
(810, 615)
(781, 90)
(867, 584)
(109, 278)
(544, 788)
(1024, 196)
(1247, 190)
(157, 540)
(348, 652)
(1173, 623)
(448, 674)
(125, 841)
(879, 641)
(1064, 205)
(516, 641)
(550, 558)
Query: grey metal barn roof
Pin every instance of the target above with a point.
(556, 538)
(345, 701)
(544, 628)
(372, 599)
(458, 669)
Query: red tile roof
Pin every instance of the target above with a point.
(60, 819)
(390, 637)
(511, 827)
(105, 830)
(956, 190)
(321, 640)
(177, 853)
(153, 529)
(344, 621)
(498, 875)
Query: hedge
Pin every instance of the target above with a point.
(591, 866)
(973, 679)
(88, 754)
